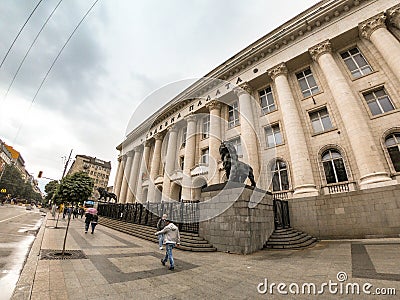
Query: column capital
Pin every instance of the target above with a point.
(393, 16)
(158, 136)
(367, 27)
(147, 143)
(280, 69)
(130, 153)
(172, 128)
(244, 88)
(138, 149)
(191, 118)
(319, 49)
(213, 104)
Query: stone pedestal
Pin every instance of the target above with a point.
(235, 217)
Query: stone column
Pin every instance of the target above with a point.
(125, 179)
(134, 173)
(144, 171)
(214, 140)
(118, 177)
(303, 180)
(393, 16)
(247, 129)
(367, 156)
(374, 29)
(155, 167)
(170, 162)
(190, 156)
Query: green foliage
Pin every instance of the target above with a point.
(15, 185)
(50, 189)
(74, 188)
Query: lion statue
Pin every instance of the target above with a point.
(236, 171)
(104, 194)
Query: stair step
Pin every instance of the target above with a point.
(289, 238)
(189, 241)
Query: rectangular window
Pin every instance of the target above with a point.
(233, 115)
(267, 100)
(206, 127)
(307, 83)
(184, 132)
(238, 145)
(181, 161)
(356, 62)
(273, 135)
(320, 120)
(204, 156)
(378, 101)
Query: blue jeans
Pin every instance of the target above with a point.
(168, 254)
(160, 239)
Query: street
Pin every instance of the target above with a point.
(18, 228)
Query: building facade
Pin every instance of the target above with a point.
(313, 107)
(97, 169)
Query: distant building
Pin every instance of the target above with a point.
(5, 156)
(17, 159)
(96, 168)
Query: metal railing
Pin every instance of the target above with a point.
(184, 214)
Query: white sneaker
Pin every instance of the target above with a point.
(161, 248)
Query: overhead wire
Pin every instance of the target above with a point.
(23, 26)
(54, 61)
(30, 47)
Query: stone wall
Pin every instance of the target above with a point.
(238, 227)
(358, 214)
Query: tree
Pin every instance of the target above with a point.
(16, 186)
(50, 189)
(73, 188)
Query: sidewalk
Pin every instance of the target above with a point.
(120, 266)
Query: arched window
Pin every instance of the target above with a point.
(280, 181)
(334, 168)
(392, 143)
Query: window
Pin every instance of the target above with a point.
(320, 120)
(273, 136)
(233, 115)
(378, 102)
(356, 62)
(280, 180)
(267, 100)
(392, 143)
(307, 83)
(238, 145)
(206, 127)
(334, 168)
(204, 156)
(184, 133)
(181, 162)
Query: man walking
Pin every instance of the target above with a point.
(171, 239)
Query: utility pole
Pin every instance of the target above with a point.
(66, 164)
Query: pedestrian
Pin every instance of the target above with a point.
(88, 219)
(171, 239)
(160, 226)
(94, 221)
(75, 212)
(81, 211)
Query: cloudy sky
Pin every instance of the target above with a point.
(123, 51)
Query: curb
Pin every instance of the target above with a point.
(23, 289)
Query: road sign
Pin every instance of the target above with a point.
(3, 191)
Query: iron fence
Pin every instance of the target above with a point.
(184, 214)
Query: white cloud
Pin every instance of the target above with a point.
(121, 53)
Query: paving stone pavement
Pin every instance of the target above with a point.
(119, 266)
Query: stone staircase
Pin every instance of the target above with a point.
(289, 238)
(189, 241)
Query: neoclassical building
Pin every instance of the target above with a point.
(313, 107)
